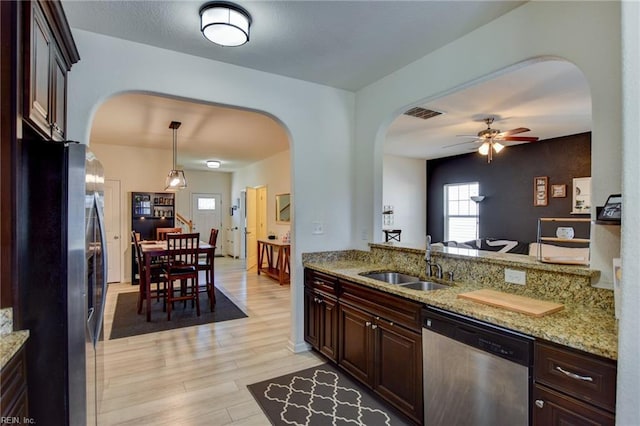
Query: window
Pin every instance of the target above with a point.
(206, 203)
(461, 216)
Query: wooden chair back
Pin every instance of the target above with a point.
(183, 249)
(213, 237)
(161, 233)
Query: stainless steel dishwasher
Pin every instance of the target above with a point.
(474, 373)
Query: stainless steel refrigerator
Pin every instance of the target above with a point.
(61, 283)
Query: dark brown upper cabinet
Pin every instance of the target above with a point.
(49, 53)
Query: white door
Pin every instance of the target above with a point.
(206, 214)
(112, 229)
(251, 231)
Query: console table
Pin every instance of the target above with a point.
(277, 261)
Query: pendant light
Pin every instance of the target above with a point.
(175, 179)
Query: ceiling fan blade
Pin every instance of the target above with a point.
(460, 143)
(514, 131)
(519, 138)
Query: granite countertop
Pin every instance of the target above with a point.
(10, 341)
(585, 328)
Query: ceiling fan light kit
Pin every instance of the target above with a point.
(225, 24)
(213, 164)
(175, 179)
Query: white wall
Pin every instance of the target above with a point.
(405, 188)
(627, 407)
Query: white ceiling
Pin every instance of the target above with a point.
(359, 44)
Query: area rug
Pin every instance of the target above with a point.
(321, 395)
(127, 322)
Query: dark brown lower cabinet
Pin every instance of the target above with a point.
(572, 387)
(13, 388)
(321, 323)
(383, 355)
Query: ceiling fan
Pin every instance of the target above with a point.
(489, 139)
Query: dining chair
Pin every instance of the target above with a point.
(207, 265)
(181, 264)
(156, 274)
(161, 233)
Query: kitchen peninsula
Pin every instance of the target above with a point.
(581, 337)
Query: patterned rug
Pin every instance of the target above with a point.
(321, 396)
(127, 322)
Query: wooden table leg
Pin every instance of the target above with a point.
(147, 284)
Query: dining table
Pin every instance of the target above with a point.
(155, 249)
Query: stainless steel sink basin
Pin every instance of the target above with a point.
(391, 277)
(424, 285)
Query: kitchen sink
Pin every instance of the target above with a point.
(424, 285)
(391, 277)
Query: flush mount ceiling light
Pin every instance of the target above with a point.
(213, 164)
(175, 179)
(225, 24)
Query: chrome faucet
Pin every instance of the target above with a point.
(430, 265)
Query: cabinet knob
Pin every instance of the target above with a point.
(374, 326)
(539, 403)
(367, 324)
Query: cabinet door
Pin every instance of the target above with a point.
(311, 323)
(356, 344)
(38, 73)
(328, 322)
(551, 408)
(59, 96)
(398, 367)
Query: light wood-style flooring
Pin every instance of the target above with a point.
(198, 375)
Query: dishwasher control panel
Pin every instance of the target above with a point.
(502, 342)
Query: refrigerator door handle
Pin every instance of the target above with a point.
(103, 252)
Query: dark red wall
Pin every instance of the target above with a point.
(507, 182)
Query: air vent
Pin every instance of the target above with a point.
(422, 113)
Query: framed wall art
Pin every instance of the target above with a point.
(540, 191)
(559, 191)
(581, 198)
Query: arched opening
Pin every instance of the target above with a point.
(549, 97)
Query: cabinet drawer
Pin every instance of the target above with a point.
(552, 408)
(583, 376)
(390, 307)
(319, 281)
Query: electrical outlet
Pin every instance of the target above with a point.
(515, 277)
(318, 228)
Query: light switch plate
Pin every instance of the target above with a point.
(515, 277)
